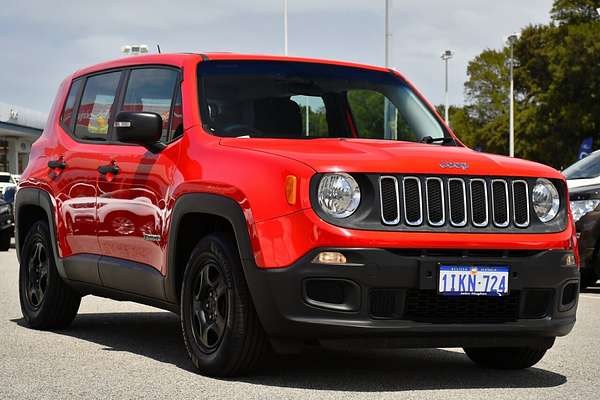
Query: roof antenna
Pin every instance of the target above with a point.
(158, 48)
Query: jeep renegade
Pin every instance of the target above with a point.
(273, 202)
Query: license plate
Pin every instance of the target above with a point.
(473, 280)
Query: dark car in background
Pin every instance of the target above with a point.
(583, 179)
(6, 225)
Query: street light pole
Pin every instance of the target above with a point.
(512, 39)
(387, 134)
(446, 56)
(285, 27)
(285, 52)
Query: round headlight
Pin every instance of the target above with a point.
(338, 195)
(545, 200)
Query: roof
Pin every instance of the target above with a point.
(178, 59)
(18, 116)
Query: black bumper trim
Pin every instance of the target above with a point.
(278, 297)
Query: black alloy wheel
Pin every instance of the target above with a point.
(37, 274)
(209, 306)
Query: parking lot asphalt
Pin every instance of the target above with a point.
(124, 350)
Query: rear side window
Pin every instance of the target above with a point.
(96, 105)
(177, 118)
(151, 90)
(67, 115)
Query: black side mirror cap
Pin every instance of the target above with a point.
(141, 128)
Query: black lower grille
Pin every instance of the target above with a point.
(386, 303)
(429, 306)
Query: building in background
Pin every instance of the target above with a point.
(19, 128)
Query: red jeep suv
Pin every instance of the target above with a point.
(273, 202)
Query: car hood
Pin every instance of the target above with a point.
(384, 156)
(577, 183)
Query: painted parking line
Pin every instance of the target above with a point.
(588, 296)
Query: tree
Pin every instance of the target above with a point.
(557, 89)
(575, 11)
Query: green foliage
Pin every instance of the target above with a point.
(575, 11)
(367, 110)
(557, 89)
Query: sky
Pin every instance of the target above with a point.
(44, 41)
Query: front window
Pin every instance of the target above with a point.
(586, 168)
(278, 99)
(5, 179)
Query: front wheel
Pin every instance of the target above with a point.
(221, 330)
(506, 357)
(46, 301)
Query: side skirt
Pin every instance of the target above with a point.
(117, 279)
(119, 295)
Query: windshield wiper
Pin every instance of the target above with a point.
(429, 139)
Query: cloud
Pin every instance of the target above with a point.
(43, 41)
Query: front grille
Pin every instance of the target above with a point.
(413, 201)
(500, 203)
(457, 202)
(468, 202)
(429, 306)
(390, 204)
(434, 194)
(520, 203)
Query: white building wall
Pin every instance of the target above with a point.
(22, 127)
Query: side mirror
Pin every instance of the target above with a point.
(142, 128)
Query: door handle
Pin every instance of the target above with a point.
(112, 169)
(57, 164)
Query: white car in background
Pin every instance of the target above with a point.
(585, 172)
(6, 180)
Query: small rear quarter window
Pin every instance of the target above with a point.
(67, 114)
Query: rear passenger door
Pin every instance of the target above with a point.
(132, 202)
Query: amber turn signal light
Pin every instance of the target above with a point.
(291, 185)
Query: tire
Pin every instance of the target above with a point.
(5, 236)
(221, 330)
(46, 301)
(506, 357)
(588, 278)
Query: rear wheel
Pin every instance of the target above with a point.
(506, 357)
(46, 301)
(221, 330)
(5, 236)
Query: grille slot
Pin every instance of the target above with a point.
(390, 204)
(434, 194)
(479, 202)
(428, 306)
(500, 203)
(413, 208)
(457, 202)
(520, 203)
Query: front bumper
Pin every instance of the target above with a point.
(390, 294)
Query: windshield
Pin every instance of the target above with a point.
(586, 168)
(5, 179)
(307, 100)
